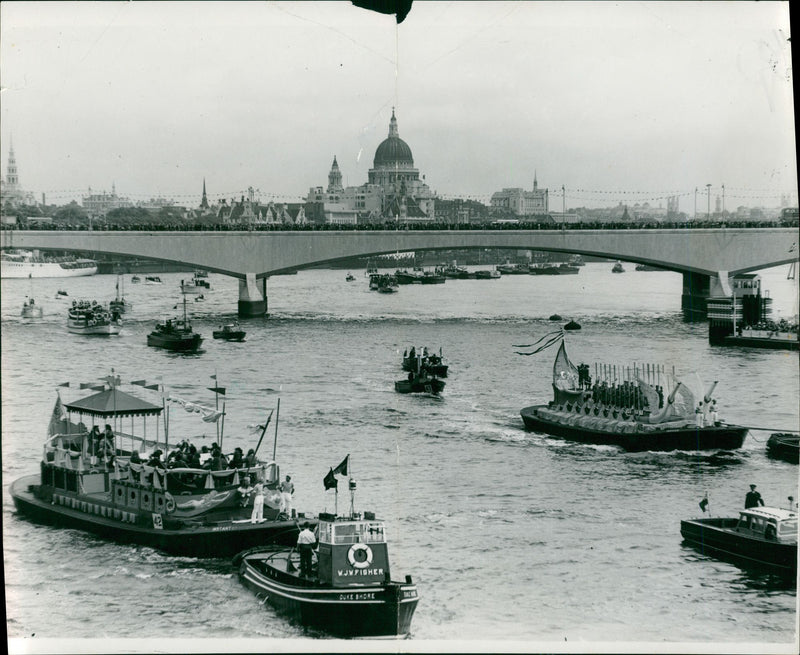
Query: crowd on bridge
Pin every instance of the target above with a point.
(546, 223)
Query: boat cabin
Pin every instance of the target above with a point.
(352, 550)
(770, 523)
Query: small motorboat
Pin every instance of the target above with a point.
(230, 332)
(136, 279)
(350, 277)
(556, 317)
(152, 279)
(618, 268)
(31, 310)
(61, 293)
(422, 382)
(785, 446)
(348, 591)
(176, 335)
(763, 537)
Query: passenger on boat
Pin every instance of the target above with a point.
(193, 457)
(258, 504)
(305, 546)
(205, 456)
(155, 459)
(714, 414)
(287, 489)
(237, 460)
(698, 415)
(250, 460)
(94, 440)
(135, 459)
(246, 490)
(753, 498)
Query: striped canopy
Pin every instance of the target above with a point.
(113, 402)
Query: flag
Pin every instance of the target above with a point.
(330, 481)
(139, 383)
(98, 387)
(151, 386)
(57, 419)
(342, 468)
(64, 384)
(219, 390)
(212, 417)
(704, 503)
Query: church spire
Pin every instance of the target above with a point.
(335, 178)
(393, 126)
(204, 201)
(535, 181)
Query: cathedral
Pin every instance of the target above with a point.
(393, 190)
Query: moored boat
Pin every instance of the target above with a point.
(627, 407)
(152, 279)
(408, 277)
(762, 537)
(105, 484)
(27, 264)
(30, 309)
(618, 268)
(91, 318)
(348, 591)
(785, 446)
(230, 332)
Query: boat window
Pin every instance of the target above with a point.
(325, 532)
(352, 533)
(788, 526)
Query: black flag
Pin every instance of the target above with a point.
(399, 8)
(342, 468)
(330, 481)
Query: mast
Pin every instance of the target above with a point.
(275, 441)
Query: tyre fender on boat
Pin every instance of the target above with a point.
(356, 560)
(169, 503)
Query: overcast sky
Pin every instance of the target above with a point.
(618, 102)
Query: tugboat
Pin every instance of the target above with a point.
(84, 317)
(785, 446)
(432, 362)
(349, 591)
(119, 304)
(627, 407)
(420, 380)
(618, 268)
(230, 332)
(175, 334)
(762, 537)
(107, 485)
(30, 309)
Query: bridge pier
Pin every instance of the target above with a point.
(252, 300)
(696, 291)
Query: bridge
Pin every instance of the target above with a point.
(704, 256)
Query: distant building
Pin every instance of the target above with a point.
(393, 190)
(521, 202)
(11, 191)
(99, 204)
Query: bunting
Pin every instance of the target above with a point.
(210, 415)
(545, 342)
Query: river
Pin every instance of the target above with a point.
(516, 540)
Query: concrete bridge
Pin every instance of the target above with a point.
(703, 256)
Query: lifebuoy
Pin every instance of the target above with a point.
(169, 505)
(359, 556)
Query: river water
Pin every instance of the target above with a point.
(516, 540)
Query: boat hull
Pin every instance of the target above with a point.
(211, 539)
(724, 437)
(379, 610)
(718, 537)
(102, 330)
(44, 269)
(787, 342)
(433, 386)
(237, 335)
(175, 344)
(785, 447)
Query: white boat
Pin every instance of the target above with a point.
(152, 279)
(25, 264)
(191, 288)
(84, 317)
(31, 310)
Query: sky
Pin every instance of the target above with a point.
(615, 102)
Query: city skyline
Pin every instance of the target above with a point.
(617, 103)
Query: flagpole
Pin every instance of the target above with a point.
(275, 442)
(263, 431)
(221, 431)
(216, 406)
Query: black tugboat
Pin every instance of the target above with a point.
(762, 537)
(175, 334)
(348, 592)
(785, 446)
(634, 413)
(107, 485)
(230, 332)
(420, 380)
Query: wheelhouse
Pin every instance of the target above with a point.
(352, 551)
(770, 523)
